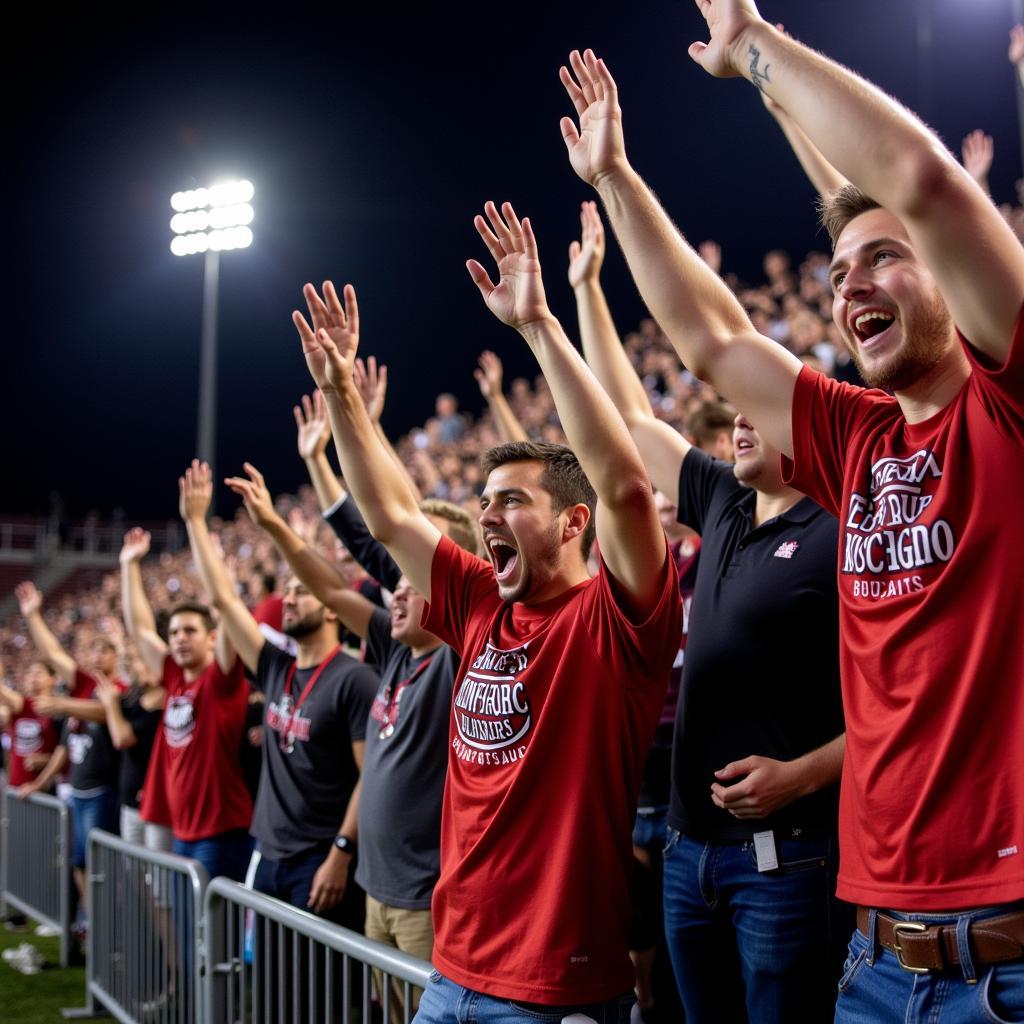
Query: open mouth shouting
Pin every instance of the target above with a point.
(504, 556)
(871, 326)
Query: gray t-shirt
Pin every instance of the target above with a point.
(404, 771)
(303, 793)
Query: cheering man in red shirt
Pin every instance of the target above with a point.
(924, 482)
(562, 677)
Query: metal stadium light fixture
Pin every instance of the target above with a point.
(211, 221)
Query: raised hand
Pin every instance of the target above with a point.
(306, 527)
(596, 147)
(1016, 51)
(977, 151)
(136, 545)
(711, 253)
(313, 428)
(727, 20)
(518, 297)
(195, 491)
(252, 489)
(489, 374)
(587, 255)
(372, 385)
(330, 345)
(30, 600)
(107, 692)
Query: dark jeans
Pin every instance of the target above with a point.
(733, 931)
(89, 812)
(226, 855)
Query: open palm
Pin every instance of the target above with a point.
(331, 343)
(518, 297)
(596, 147)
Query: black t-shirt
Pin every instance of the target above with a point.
(404, 771)
(303, 794)
(135, 759)
(761, 674)
(92, 756)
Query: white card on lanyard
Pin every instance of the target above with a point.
(766, 851)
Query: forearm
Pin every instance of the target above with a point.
(89, 710)
(350, 823)
(212, 573)
(326, 484)
(12, 699)
(865, 135)
(49, 646)
(399, 465)
(687, 298)
(53, 768)
(348, 523)
(821, 767)
(605, 356)
(508, 426)
(595, 431)
(823, 176)
(138, 615)
(373, 478)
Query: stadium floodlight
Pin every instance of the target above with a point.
(211, 221)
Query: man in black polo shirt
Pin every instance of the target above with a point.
(750, 860)
(317, 707)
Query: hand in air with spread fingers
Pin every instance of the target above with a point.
(195, 491)
(330, 345)
(136, 545)
(518, 298)
(727, 20)
(587, 255)
(372, 384)
(313, 430)
(253, 491)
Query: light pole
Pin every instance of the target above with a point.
(211, 221)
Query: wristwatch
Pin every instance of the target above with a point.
(345, 844)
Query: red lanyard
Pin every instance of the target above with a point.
(387, 724)
(312, 679)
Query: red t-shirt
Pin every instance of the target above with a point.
(932, 652)
(271, 611)
(194, 783)
(30, 734)
(554, 711)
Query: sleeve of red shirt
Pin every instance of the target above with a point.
(825, 414)
(459, 581)
(1000, 389)
(644, 651)
(227, 684)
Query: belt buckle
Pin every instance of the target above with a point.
(898, 928)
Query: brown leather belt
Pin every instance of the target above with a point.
(921, 947)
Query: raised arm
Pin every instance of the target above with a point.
(823, 176)
(630, 535)
(320, 577)
(237, 630)
(661, 448)
(314, 434)
(390, 507)
(51, 770)
(11, 698)
(891, 156)
(53, 706)
(701, 317)
(488, 376)
(30, 603)
(138, 615)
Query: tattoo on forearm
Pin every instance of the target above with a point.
(757, 76)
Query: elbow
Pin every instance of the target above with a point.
(630, 491)
(928, 180)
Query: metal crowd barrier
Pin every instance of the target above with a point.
(144, 961)
(35, 866)
(268, 963)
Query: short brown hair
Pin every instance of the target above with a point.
(462, 530)
(837, 208)
(563, 477)
(710, 419)
(194, 608)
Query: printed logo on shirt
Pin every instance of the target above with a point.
(282, 721)
(179, 721)
(79, 744)
(28, 736)
(882, 536)
(492, 709)
(787, 549)
(1007, 851)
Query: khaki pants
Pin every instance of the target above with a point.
(411, 931)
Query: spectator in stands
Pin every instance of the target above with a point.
(756, 765)
(318, 703)
(712, 427)
(924, 682)
(194, 784)
(451, 425)
(516, 919)
(33, 737)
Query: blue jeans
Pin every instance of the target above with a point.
(291, 880)
(739, 936)
(444, 1002)
(226, 855)
(880, 991)
(89, 812)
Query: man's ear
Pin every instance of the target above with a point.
(577, 518)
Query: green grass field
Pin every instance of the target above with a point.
(38, 998)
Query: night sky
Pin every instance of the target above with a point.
(372, 142)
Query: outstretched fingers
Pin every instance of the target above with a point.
(306, 334)
(480, 278)
(490, 239)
